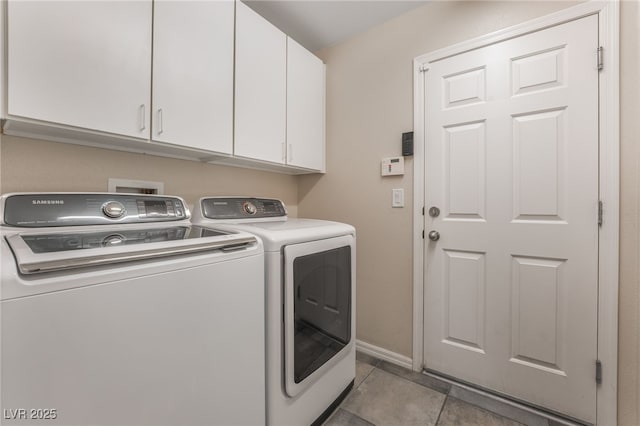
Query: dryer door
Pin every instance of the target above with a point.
(319, 314)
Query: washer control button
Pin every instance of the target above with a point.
(113, 209)
(113, 240)
(249, 208)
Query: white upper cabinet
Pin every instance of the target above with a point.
(305, 108)
(85, 64)
(193, 74)
(261, 84)
(223, 84)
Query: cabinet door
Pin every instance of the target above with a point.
(260, 87)
(81, 63)
(305, 108)
(193, 74)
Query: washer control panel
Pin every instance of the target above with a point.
(70, 209)
(242, 208)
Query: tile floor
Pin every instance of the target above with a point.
(387, 395)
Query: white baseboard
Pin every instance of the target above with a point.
(384, 354)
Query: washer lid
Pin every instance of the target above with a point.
(40, 252)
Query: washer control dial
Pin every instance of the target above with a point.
(249, 208)
(113, 209)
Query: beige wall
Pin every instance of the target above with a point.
(629, 307)
(369, 105)
(30, 165)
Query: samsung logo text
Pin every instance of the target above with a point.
(47, 202)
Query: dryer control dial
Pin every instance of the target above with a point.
(113, 209)
(113, 240)
(249, 208)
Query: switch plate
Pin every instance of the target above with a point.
(397, 197)
(392, 166)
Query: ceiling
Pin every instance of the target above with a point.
(321, 23)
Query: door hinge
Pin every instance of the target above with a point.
(600, 212)
(598, 371)
(600, 58)
(423, 234)
(424, 69)
(422, 210)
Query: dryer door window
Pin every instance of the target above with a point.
(319, 286)
(322, 308)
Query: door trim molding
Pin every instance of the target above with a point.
(609, 29)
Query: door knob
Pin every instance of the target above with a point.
(434, 235)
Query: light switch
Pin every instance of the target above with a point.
(398, 197)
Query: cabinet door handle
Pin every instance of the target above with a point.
(160, 126)
(290, 151)
(143, 114)
(284, 152)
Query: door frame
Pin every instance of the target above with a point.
(609, 163)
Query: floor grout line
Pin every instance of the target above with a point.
(365, 377)
(341, 406)
(396, 374)
(446, 397)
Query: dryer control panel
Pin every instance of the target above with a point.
(242, 208)
(71, 209)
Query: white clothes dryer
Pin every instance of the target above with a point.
(117, 310)
(310, 304)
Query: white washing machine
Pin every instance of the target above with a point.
(116, 310)
(310, 286)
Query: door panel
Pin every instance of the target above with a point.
(539, 70)
(536, 333)
(84, 64)
(465, 159)
(305, 107)
(539, 165)
(512, 161)
(464, 87)
(193, 74)
(260, 87)
(464, 286)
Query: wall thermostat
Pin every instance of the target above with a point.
(392, 166)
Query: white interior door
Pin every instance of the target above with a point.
(512, 163)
